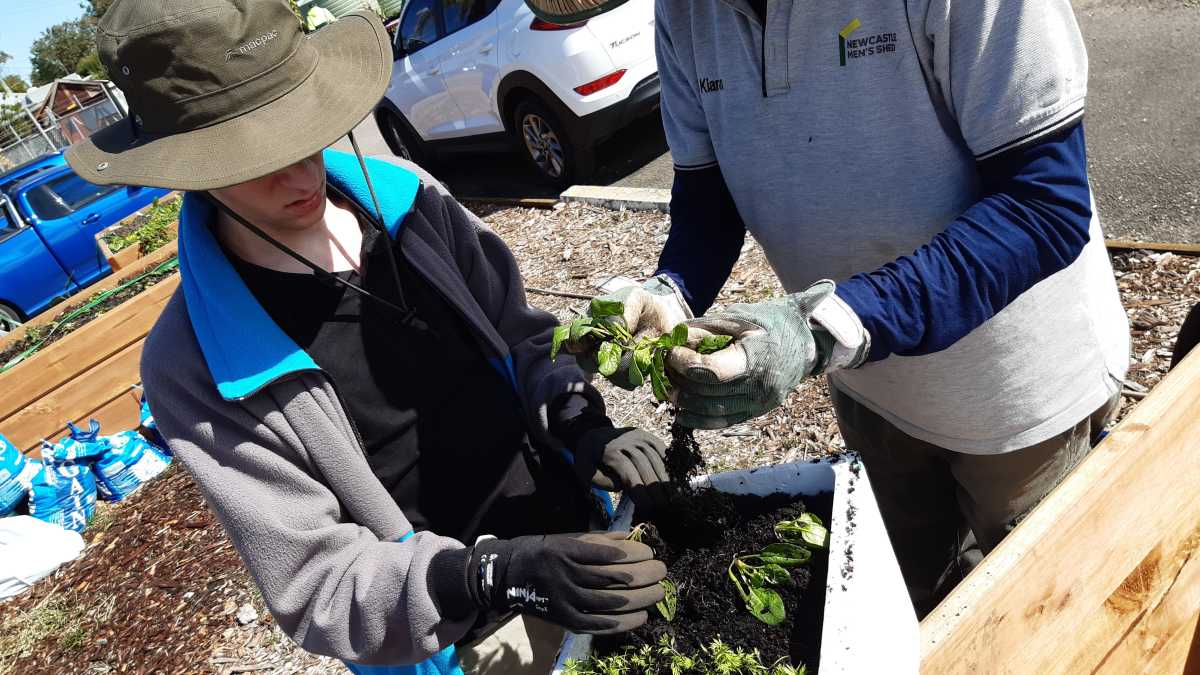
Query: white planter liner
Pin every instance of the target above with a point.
(869, 626)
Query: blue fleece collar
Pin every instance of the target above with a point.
(244, 348)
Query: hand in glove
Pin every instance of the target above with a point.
(653, 308)
(776, 344)
(587, 583)
(620, 459)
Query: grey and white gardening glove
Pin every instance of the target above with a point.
(587, 583)
(618, 460)
(653, 308)
(776, 344)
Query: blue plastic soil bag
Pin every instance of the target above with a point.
(151, 427)
(64, 491)
(130, 462)
(16, 476)
(81, 446)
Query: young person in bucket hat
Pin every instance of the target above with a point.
(350, 370)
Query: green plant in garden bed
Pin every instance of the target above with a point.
(717, 658)
(754, 575)
(647, 354)
(670, 602)
(150, 232)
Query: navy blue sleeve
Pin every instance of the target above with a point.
(1032, 221)
(706, 236)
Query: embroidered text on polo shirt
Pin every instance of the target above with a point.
(861, 47)
(708, 86)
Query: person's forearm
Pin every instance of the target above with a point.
(706, 236)
(1032, 222)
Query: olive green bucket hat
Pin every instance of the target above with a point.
(572, 11)
(224, 91)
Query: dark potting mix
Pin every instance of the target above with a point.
(698, 534)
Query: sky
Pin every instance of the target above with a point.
(22, 22)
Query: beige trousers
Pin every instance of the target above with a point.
(945, 510)
(523, 645)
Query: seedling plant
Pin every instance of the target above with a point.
(647, 355)
(715, 658)
(754, 576)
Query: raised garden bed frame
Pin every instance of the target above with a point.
(90, 373)
(1104, 576)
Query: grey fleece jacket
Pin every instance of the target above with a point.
(284, 469)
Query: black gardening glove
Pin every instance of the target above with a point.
(587, 583)
(620, 460)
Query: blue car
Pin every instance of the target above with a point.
(49, 218)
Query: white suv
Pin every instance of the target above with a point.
(483, 74)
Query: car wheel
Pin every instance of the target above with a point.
(553, 154)
(9, 318)
(402, 142)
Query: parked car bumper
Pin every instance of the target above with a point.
(602, 124)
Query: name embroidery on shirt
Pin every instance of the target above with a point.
(862, 47)
(708, 86)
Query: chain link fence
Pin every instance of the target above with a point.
(21, 141)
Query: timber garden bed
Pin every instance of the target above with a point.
(137, 249)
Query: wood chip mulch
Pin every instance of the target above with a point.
(159, 587)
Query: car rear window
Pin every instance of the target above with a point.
(64, 195)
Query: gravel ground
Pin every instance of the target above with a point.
(170, 601)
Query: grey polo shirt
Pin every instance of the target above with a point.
(849, 137)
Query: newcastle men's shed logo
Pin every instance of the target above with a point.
(871, 45)
(244, 50)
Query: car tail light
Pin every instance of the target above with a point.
(538, 24)
(602, 83)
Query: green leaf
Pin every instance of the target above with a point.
(636, 378)
(766, 606)
(786, 554)
(658, 376)
(679, 336)
(776, 575)
(815, 532)
(561, 334)
(714, 343)
(609, 358)
(670, 601)
(645, 358)
(601, 308)
(807, 529)
(581, 327)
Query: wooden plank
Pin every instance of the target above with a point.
(83, 395)
(1163, 247)
(523, 202)
(1160, 639)
(1094, 560)
(125, 257)
(112, 281)
(75, 354)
